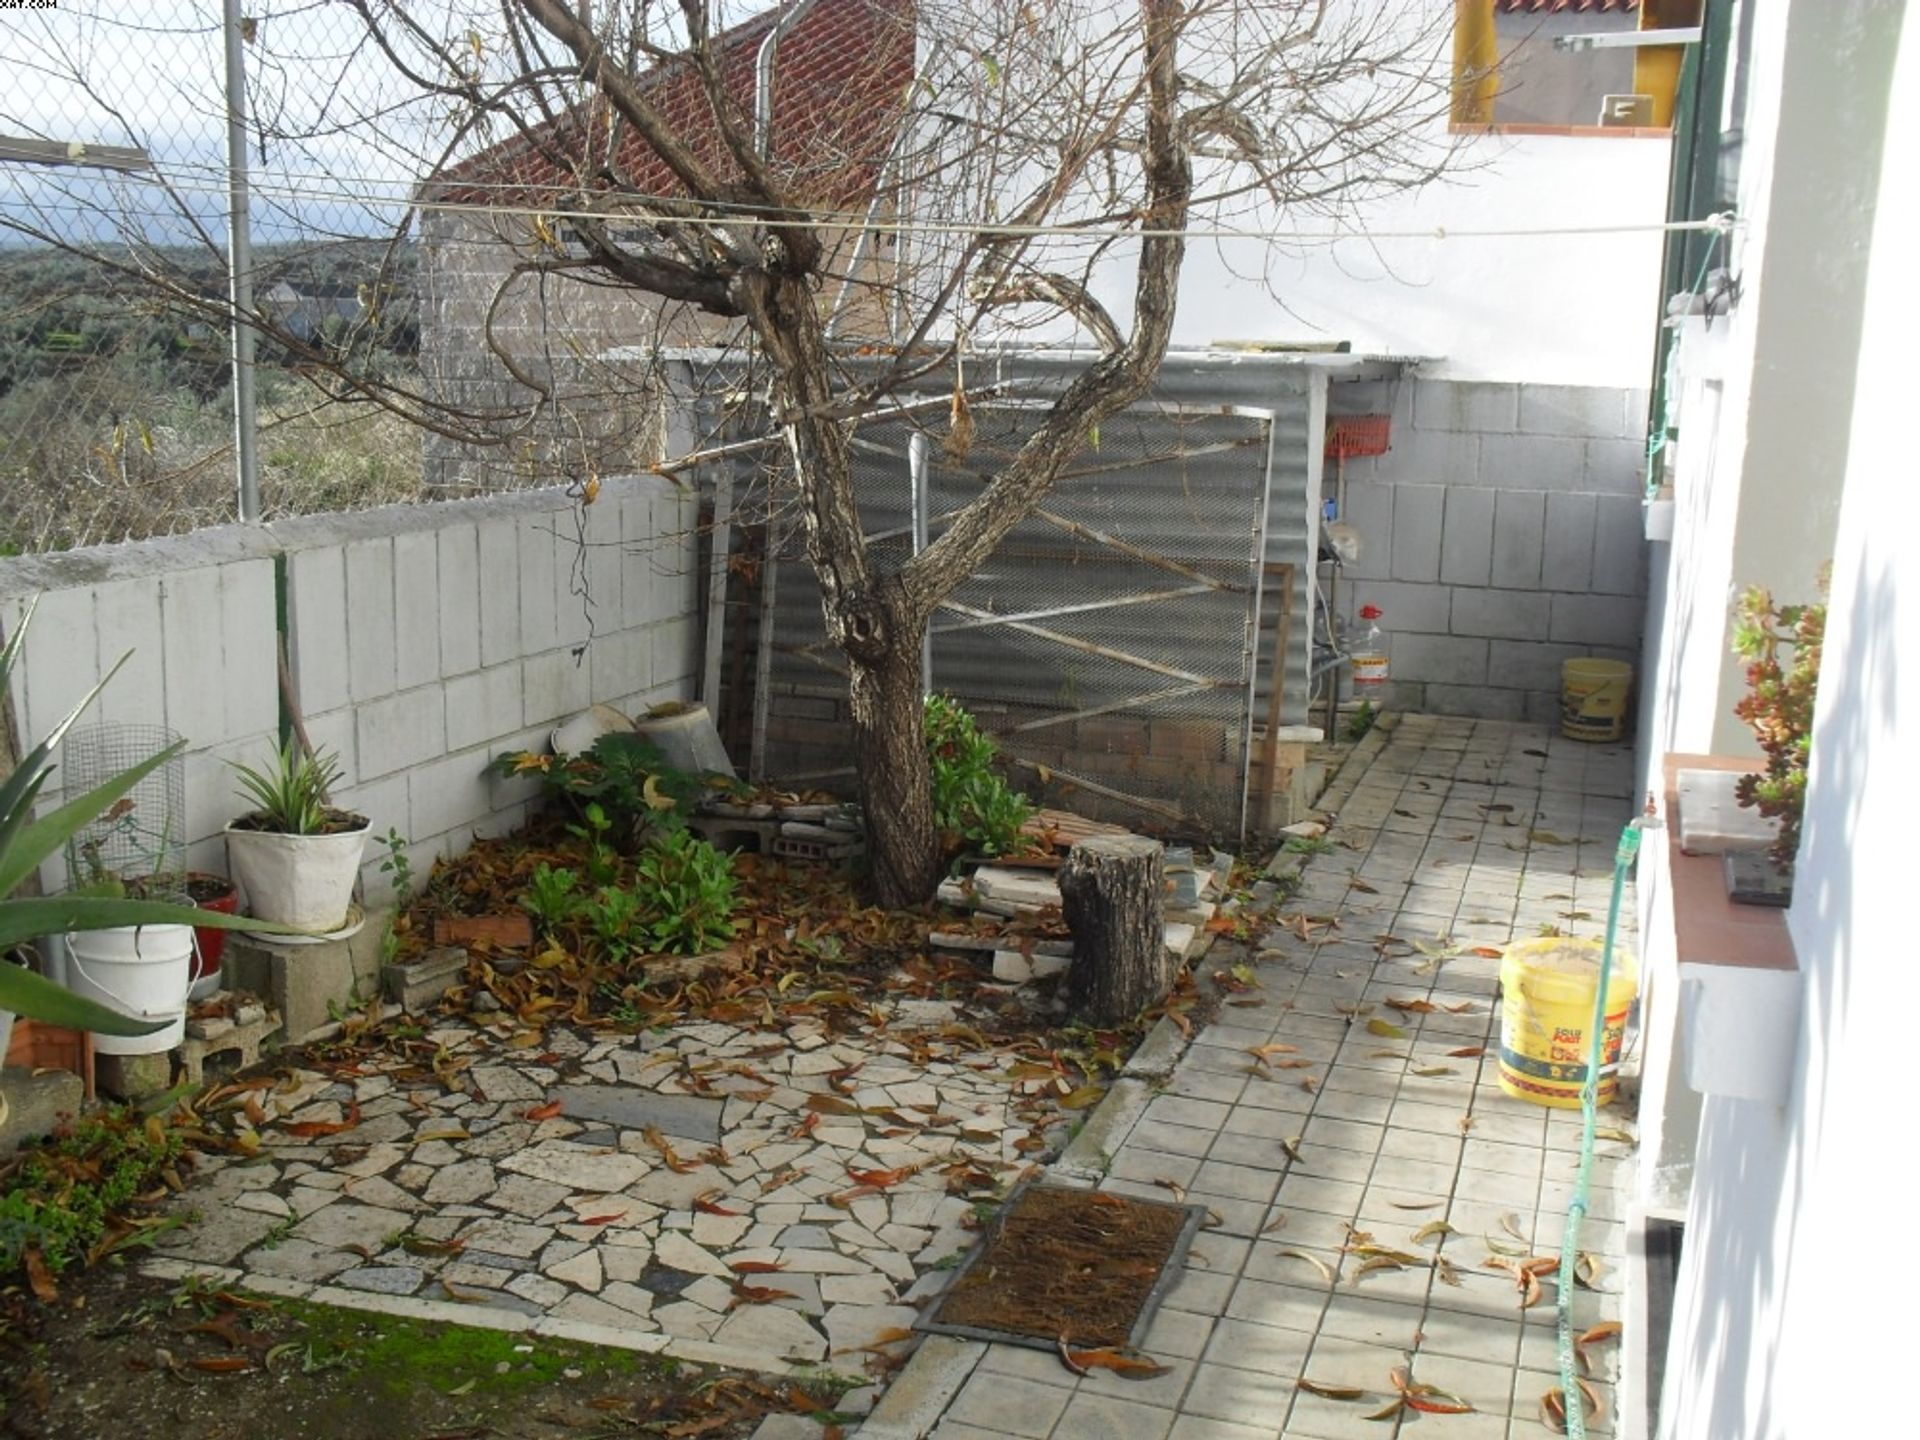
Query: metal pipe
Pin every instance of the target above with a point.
(763, 75)
(917, 481)
(240, 269)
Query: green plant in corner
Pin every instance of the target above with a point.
(1778, 704)
(552, 897)
(1361, 721)
(687, 889)
(398, 865)
(972, 803)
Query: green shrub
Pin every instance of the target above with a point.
(552, 897)
(686, 890)
(972, 803)
(624, 774)
(63, 1198)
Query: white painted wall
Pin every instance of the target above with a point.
(424, 640)
(1778, 1331)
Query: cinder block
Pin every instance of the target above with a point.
(133, 1077)
(34, 1102)
(304, 983)
(1586, 411)
(1483, 702)
(59, 662)
(1616, 467)
(417, 986)
(212, 796)
(499, 543)
(674, 660)
(370, 634)
(1508, 614)
(190, 616)
(636, 557)
(1427, 457)
(1522, 665)
(416, 608)
(458, 603)
(1598, 619)
(1370, 513)
(1567, 562)
(1619, 546)
(1416, 532)
(676, 568)
(400, 730)
(317, 627)
(1535, 462)
(605, 582)
(1465, 405)
(127, 615)
(249, 677)
(483, 706)
(539, 584)
(446, 794)
(1519, 535)
(554, 686)
(1466, 538)
(1447, 659)
(1416, 609)
(621, 664)
(334, 732)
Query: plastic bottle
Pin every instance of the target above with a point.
(1369, 657)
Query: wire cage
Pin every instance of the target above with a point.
(140, 836)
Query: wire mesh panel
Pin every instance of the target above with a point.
(141, 835)
(1106, 643)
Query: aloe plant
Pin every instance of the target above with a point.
(25, 842)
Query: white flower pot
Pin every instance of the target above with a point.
(301, 880)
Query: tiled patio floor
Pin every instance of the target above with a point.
(1473, 832)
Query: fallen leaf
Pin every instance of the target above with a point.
(1389, 1410)
(1429, 1072)
(1128, 1365)
(1467, 1052)
(1179, 1190)
(1388, 1055)
(309, 1129)
(1386, 1028)
(1329, 1392)
(1606, 1330)
(1326, 1271)
(756, 1267)
(542, 1112)
(1412, 1007)
(1083, 1097)
(39, 1276)
(1614, 1132)
(1277, 1223)
(1432, 1228)
(707, 1203)
(834, 1105)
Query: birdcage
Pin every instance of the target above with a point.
(140, 838)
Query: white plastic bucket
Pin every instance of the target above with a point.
(142, 971)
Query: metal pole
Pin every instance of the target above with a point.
(240, 269)
(917, 480)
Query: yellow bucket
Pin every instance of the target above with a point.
(1593, 698)
(1546, 1008)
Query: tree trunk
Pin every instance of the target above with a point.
(1110, 889)
(895, 780)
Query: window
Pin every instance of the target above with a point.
(1509, 73)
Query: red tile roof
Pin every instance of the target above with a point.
(840, 80)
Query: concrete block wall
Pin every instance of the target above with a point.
(423, 641)
(1501, 535)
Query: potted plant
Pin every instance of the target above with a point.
(295, 855)
(1778, 706)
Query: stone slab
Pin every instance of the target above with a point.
(684, 1117)
(34, 1103)
(1712, 820)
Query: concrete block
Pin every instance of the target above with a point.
(133, 1077)
(1598, 619)
(606, 582)
(1449, 659)
(580, 607)
(1616, 467)
(1465, 405)
(190, 619)
(127, 616)
(499, 546)
(400, 730)
(60, 665)
(1587, 411)
(484, 706)
(1416, 532)
(555, 685)
(32, 1104)
(1528, 665)
(1567, 556)
(1427, 457)
(676, 567)
(621, 664)
(458, 601)
(416, 608)
(445, 794)
(334, 732)
(1483, 702)
(636, 558)
(539, 584)
(1519, 537)
(306, 984)
(317, 627)
(249, 678)
(232, 1048)
(674, 660)
(209, 782)
(1420, 609)
(1534, 462)
(1370, 512)
(370, 634)
(1619, 546)
(1506, 614)
(1466, 537)
(418, 985)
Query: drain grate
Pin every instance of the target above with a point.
(1081, 1264)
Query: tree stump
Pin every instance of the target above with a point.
(1111, 895)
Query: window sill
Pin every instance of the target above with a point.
(1708, 927)
(1597, 132)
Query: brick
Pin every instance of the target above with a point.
(483, 706)
(1507, 614)
(1567, 558)
(1450, 659)
(1465, 405)
(499, 543)
(621, 664)
(555, 686)
(127, 618)
(1586, 411)
(1418, 609)
(1416, 532)
(1534, 462)
(190, 622)
(1619, 546)
(1466, 537)
(1428, 457)
(416, 608)
(370, 634)
(1598, 619)
(673, 651)
(458, 603)
(539, 584)
(1519, 665)
(397, 731)
(317, 627)
(1615, 467)
(445, 794)
(249, 678)
(1370, 513)
(1519, 535)
(1483, 702)
(59, 662)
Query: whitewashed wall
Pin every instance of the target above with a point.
(423, 641)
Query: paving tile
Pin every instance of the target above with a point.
(1091, 1416)
(1007, 1405)
(1245, 1397)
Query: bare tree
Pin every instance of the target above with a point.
(957, 174)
